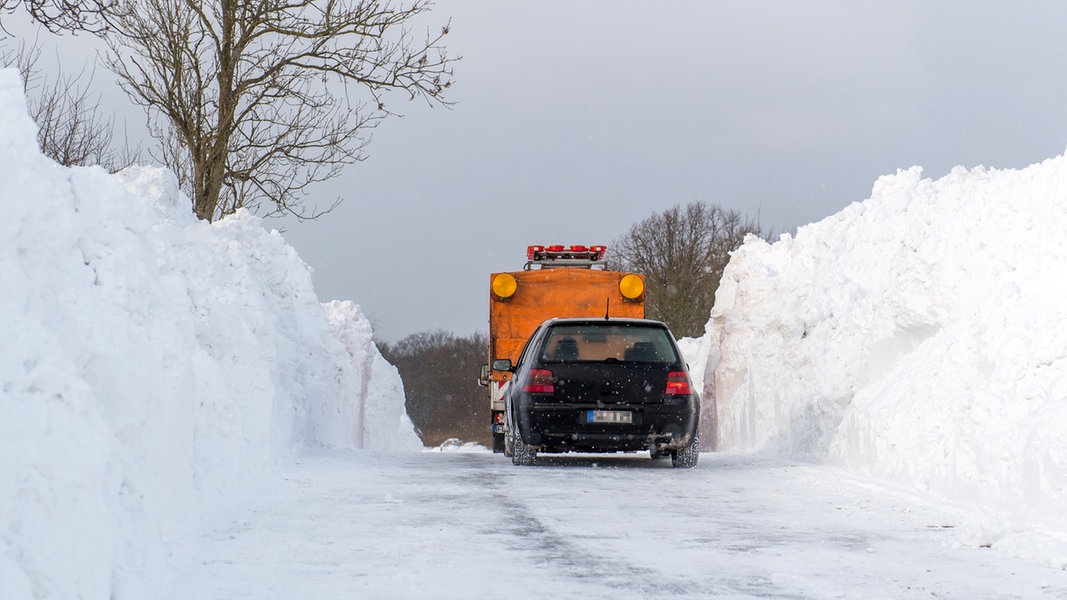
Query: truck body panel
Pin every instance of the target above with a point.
(553, 293)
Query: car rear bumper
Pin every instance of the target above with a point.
(558, 427)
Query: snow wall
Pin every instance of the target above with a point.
(154, 367)
(919, 336)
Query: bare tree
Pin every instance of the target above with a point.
(24, 58)
(256, 100)
(70, 127)
(682, 253)
(72, 15)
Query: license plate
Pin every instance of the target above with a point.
(609, 416)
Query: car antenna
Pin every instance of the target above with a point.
(607, 309)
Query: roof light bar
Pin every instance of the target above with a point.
(540, 253)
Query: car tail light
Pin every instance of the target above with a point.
(678, 384)
(539, 382)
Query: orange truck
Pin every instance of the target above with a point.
(556, 282)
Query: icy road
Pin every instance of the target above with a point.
(470, 526)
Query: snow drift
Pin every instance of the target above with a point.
(154, 365)
(919, 336)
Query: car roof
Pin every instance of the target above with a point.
(609, 321)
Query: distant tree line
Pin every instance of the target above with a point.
(442, 395)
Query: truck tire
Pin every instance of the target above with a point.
(687, 457)
(508, 450)
(498, 443)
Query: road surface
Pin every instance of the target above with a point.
(344, 525)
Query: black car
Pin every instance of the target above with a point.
(601, 385)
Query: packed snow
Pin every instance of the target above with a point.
(155, 367)
(920, 337)
(470, 526)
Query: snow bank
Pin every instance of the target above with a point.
(153, 366)
(699, 354)
(920, 336)
(385, 423)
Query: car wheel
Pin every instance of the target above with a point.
(687, 457)
(499, 444)
(521, 454)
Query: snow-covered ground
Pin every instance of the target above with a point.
(445, 526)
(919, 336)
(153, 367)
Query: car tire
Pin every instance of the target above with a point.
(499, 444)
(687, 457)
(521, 454)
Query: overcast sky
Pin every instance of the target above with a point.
(575, 119)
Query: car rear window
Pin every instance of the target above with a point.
(601, 342)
